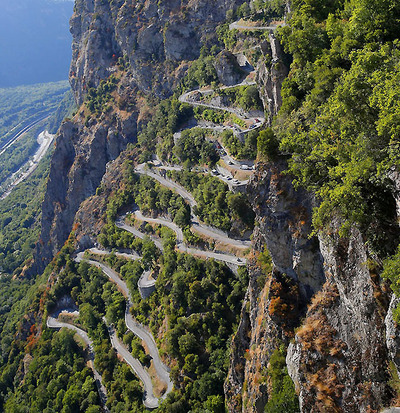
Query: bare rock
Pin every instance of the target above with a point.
(228, 69)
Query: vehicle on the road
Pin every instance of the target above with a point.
(230, 163)
(244, 167)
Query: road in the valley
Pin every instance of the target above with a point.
(45, 139)
(19, 134)
(54, 323)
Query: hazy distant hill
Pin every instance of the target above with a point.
(35, 43)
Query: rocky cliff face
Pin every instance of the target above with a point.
(228, 70)
(270, 75)
(156, 37)
(77, 167)
(277, 296)
(323, 298)
(339, 358)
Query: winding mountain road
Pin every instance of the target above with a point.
(149, 400)
(122, 225)
(243, 26)
(54, 323)
(126, 255)
(205, 231)
(187, 196)
(208, 231)
(140, 331)
(240, 113)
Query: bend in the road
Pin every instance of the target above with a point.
(149, 400)
(54, 323)
(206, 230)
(229, 259)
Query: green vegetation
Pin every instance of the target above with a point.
(267, 144)
(202, 72)
(245, 97)
(20, 219)
(216, 205)
(22, 105)
(98, 99)
(391, 271)
(338, 118)
(201, 301)
(158, 135)
(269, 8)
(17, 298)
(239, 150)
(194, 148)
(227, 37)
(98, 297)
(150, 197)
(57, 380)
(65, 110)
(283, 397)
(211, 115)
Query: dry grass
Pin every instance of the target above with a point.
(241, 175)
(316, 335)
(222, 246)
(159, 386)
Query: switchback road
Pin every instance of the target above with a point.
(53, 323)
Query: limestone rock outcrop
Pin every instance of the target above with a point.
(228, 69)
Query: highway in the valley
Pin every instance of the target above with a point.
(44, 139)
(19, 134)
